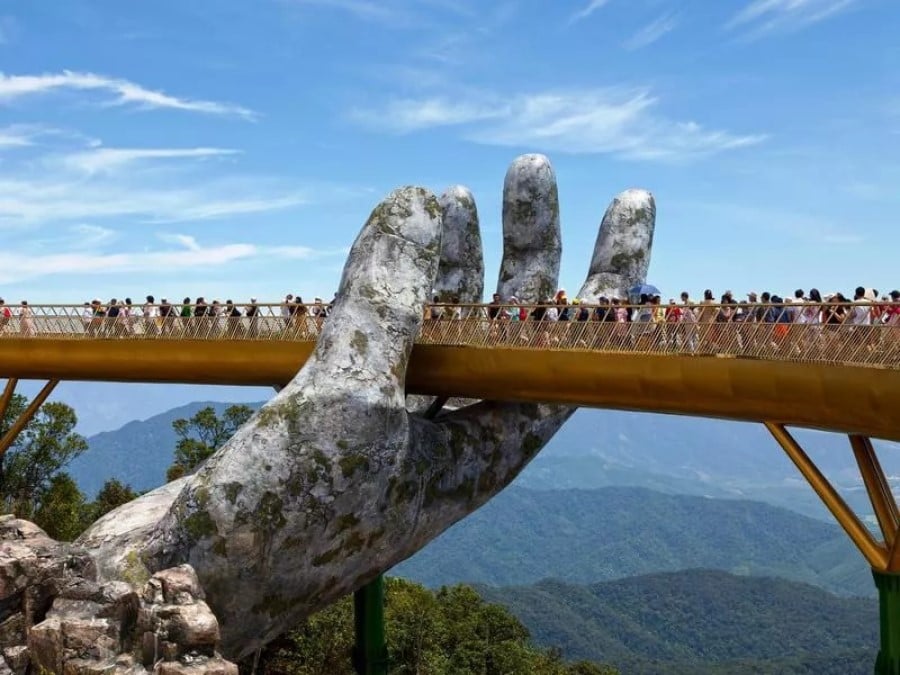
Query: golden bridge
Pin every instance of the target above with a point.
(829, 376)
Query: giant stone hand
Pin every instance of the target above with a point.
(333, 482)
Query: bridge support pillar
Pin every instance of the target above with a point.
(888, 661)
(370, 655)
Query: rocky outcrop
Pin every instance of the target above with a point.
(56, 616)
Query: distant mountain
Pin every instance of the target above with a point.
(688, 455)
(700, 622)
(138, 454)
(586, 536)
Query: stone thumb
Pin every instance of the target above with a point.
(366, 341)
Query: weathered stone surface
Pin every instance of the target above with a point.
(179, 584)
(12, 630)
(17, 659)
(208, 667)
(622, 252)
(45, 644)
(461, 268)
(85, 627)
(333, 482)
(190, 626)
(532, 243)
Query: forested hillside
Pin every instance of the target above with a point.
(700, 622)
(585, 536)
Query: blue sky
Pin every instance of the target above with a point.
(233, 149)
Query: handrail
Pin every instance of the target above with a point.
(795, 332)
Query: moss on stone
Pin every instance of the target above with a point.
(268, 515)
(432, 207)
(351, 463)
(621, 261)
(354, 543)
(343, 444)
(199, 525)
(220, 546)
(360, 342)
(346, 521)
(133, 569)
(232, 490)
(327, 557)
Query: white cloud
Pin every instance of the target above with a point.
(652, 32)
(12, 137)
(591, 7)
(108, 159)
(90, 236)
(15, 268)
(761, 17)
(184, 240)
(366, 10)
(13, 87)
(617, 121)
(393, 13)
(407, 115)
(57, 199)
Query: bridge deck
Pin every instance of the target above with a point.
(844, 380)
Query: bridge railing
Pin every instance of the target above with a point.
(799, 332)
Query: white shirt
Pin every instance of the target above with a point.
(860, 314)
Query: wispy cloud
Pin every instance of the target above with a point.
(761, 17)
(124, 92)
(408, 115)
(184, 240)
(109, 159)
(622, 122)
(393, 13)
(55, 199)
(16, 136)
(366, 10)
(16, 266)
(583, 13)
(652, 32)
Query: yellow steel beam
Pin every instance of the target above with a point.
(8, 392)
(846, 399)
(883, 502)
(874, 552)
(10, 436)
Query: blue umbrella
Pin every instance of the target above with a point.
(644, 289)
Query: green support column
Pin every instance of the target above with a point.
(888, 662)
(370, 654)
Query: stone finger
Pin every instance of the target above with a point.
(622, 251)
(461, 268)
(531, 236)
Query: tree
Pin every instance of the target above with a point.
(448, 632)
(113, 494)
(62, 513)
(203, 434)
(38, 455)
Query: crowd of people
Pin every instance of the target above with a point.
(865, 308)
(197, 317)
